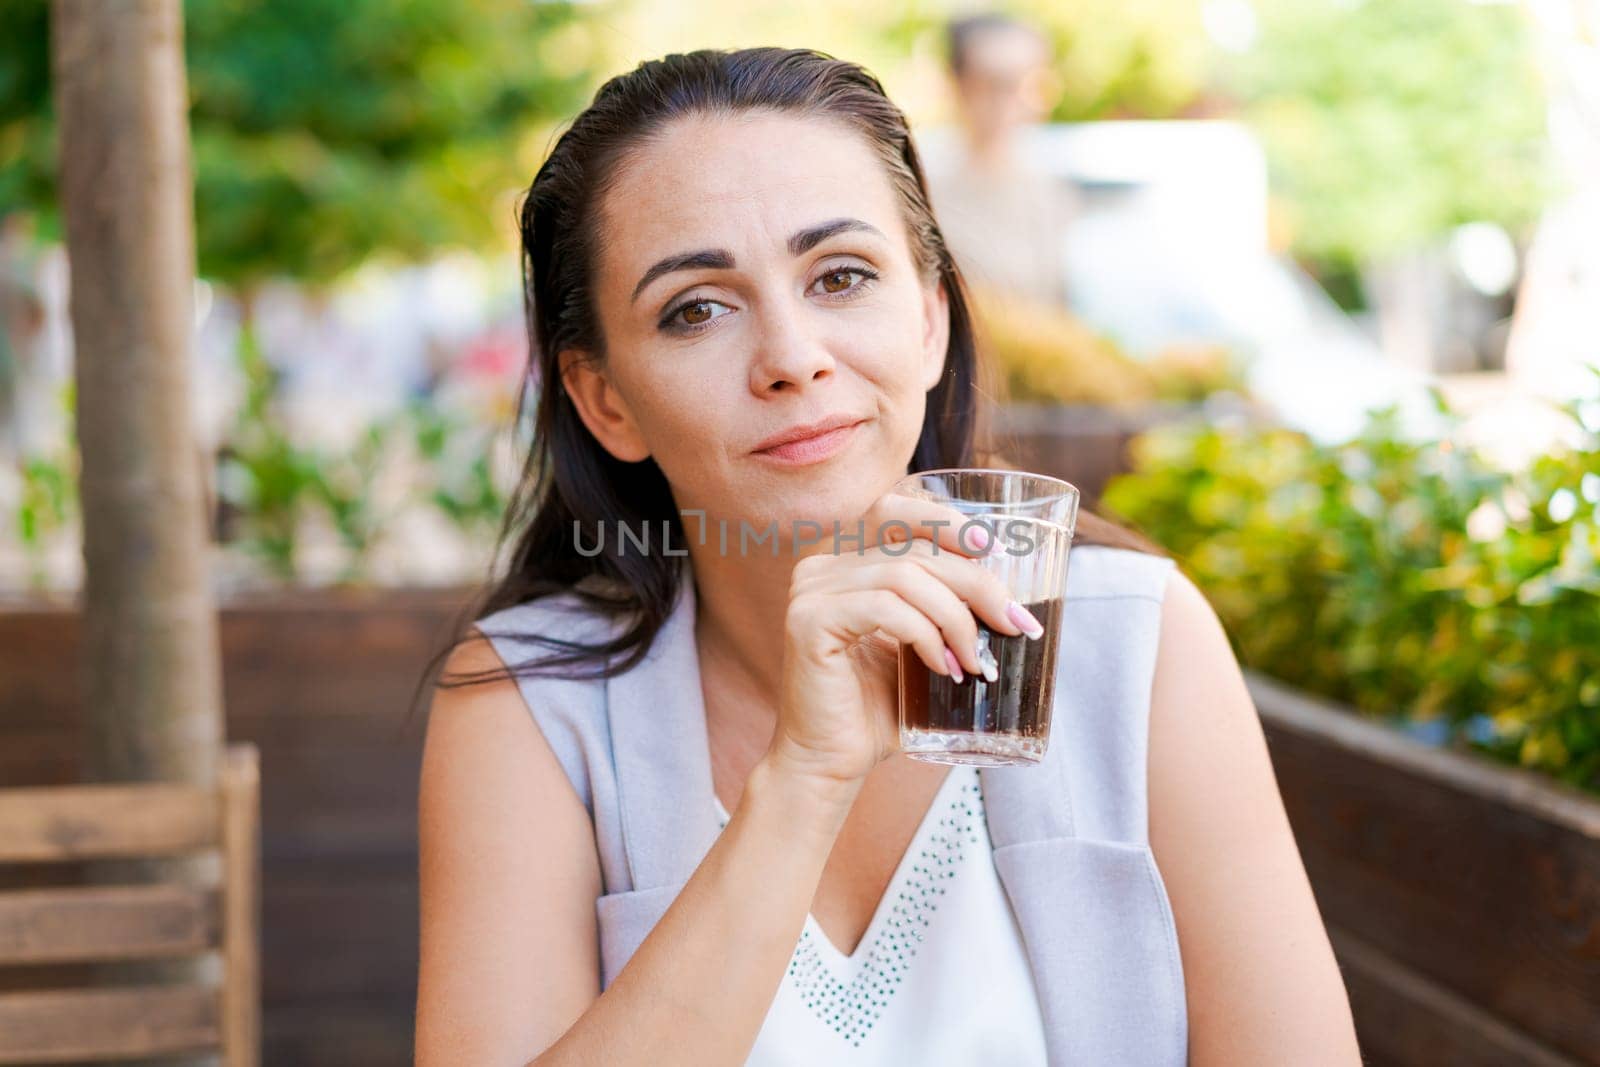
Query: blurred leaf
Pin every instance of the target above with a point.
(1364, 571)
(326, 132)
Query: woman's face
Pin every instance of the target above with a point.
(754, 276)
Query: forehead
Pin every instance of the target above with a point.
(738, 182)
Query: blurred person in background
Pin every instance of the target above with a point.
(1004, 218)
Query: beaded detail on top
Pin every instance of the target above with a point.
(851, 1005)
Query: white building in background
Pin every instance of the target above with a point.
(1170, 246)
(1556, 328)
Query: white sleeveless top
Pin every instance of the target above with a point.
(1070, 834)
(940, 976)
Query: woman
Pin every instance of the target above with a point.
(723, 252)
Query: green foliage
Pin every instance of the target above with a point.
(1147, 59)
(46, 507)
(1143, 58)
(1388, 123)
(347, 484)
(421, 456)
(327, 131)
(47, 501)
(27, 140)
(457, 455)
(1403, 578)
(264, 476)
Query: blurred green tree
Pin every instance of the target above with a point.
(1143, 60)
(329, 131)
(1389, 123)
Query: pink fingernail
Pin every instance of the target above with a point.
(953, 663)
(1024, 620)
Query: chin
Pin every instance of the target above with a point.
(844, 500)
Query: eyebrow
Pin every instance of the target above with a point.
(721, 259)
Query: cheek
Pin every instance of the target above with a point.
(679, 411)
(682, 416)
(888, 348)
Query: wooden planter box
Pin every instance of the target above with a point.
(1088, 445)
(1462, 896)
(320, 682)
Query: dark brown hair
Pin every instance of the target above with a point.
(569, 481)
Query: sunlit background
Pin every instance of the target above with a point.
(1349, 201)
(1330, 333)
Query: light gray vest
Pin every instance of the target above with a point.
(1070, 834)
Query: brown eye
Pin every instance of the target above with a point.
(844, 281)
(837, 281)
(697, 313)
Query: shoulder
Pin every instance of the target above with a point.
(484, 752)
(1194, 654)
(567, 710)
(1259, 971)
(507, 874)
(1198, 692)
(1208, 752)
(477, 713)
(566, 615)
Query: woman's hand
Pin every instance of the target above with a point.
(849, 612)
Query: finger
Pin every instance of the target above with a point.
(929, 594)
(894, 519)
(858, 613)
(984, 593)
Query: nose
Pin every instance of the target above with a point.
(789, 354)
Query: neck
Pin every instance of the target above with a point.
(990, 152)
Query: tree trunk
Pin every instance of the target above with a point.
(151, 668)
(152, 674)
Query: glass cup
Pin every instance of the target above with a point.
(1001, 716)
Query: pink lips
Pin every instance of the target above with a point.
(814, 447)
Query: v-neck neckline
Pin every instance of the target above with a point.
(954, 780)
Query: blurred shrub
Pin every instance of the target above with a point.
(1403, 578)
(1046, 354)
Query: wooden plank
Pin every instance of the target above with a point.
(43, 754)
(1512, 787)
(92, 1025)
(346, 919)
(55, 823)
(288, 654)
(338, 796)
(76, 923)
(1404, 1018)
(341, 1031)
(1484, 880)
(241, 874)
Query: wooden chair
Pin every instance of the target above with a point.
(94, 923)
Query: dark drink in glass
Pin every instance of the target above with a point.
(1005, 720)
